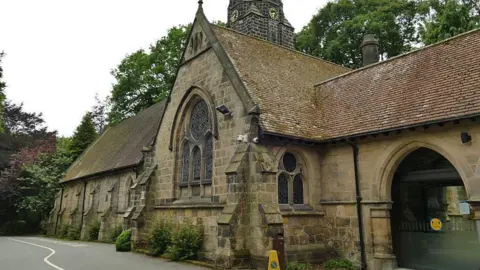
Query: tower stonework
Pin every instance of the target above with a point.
(262, 19)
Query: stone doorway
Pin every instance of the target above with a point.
(430, 221)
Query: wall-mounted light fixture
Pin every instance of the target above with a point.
(465, 137)
(224, 110)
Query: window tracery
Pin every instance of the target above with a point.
(290, 180)
(197, 149)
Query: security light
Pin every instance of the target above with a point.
(465, 137)
(224, 110)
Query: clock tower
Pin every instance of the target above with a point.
(262, 19)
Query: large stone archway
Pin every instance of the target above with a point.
(389, 161)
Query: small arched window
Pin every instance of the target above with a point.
(290, 180)
(197, 150)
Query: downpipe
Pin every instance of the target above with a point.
(359, 206)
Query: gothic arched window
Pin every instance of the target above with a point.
(290, 180)
(197, 150)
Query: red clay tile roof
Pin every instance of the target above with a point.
(281, 81)
(439, 82)
(119, 146)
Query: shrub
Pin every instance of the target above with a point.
(73, 233)
(186, 243)
(63, 232)
(123, 241)
(93, 230)
(299, 266)
(112, 237)
(339, 264)
(159, 237)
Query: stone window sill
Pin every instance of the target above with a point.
(191, 206)
(299, 210)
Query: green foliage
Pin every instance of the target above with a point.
(299, 266)
(337, 31)
(448, 18)
(39, 185)
(339, 264)
(146, 77)
(63, 232)
(73, 233)
(186, 244)
(112, 237)
(84, 135)
(159, 236)
(2, 94)
(123, 241)
(93, 230)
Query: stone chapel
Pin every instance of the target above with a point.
(259, 142)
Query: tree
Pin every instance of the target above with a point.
(39, 185)
(146, 77)
(2, 94)
(448, 18)
(337, 31)
(99, 114)
(84, 135)
(22, 129)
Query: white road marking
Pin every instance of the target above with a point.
(46, 258)
(61, 242)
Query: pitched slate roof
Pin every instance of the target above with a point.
(119, 146)
(280, 80)
(438, 82)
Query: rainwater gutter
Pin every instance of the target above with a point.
(359, 205)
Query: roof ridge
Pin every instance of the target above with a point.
(401, 55)
(280, 46)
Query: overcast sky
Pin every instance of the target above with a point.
(60, 52)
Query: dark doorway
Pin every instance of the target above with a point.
(431, 225)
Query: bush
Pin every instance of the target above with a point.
(112, 237)
(299, 266)
(186, 243)
(123, 241)
(159, 237)
(63, 232)
(93, 231)
(339, 264)
(73, 233)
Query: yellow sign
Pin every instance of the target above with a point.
(436, 224)
(273, 263)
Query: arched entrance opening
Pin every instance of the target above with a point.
(430, 218)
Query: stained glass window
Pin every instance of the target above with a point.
(208, 158)
(297, 190)
(289, 162)
(185, 162)
(282, 189)
(200, 120)
(197, 163)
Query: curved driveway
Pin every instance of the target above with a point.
(29, 253)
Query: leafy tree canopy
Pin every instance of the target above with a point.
(447, 18)
(337, 31)
(146, 77)
(84, 135)
(2, 94)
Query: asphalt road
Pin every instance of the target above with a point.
(36, 253)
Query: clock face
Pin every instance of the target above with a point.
(234, 16)
(273, 13)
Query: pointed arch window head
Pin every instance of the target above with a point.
(290, 180)
(197, 151)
